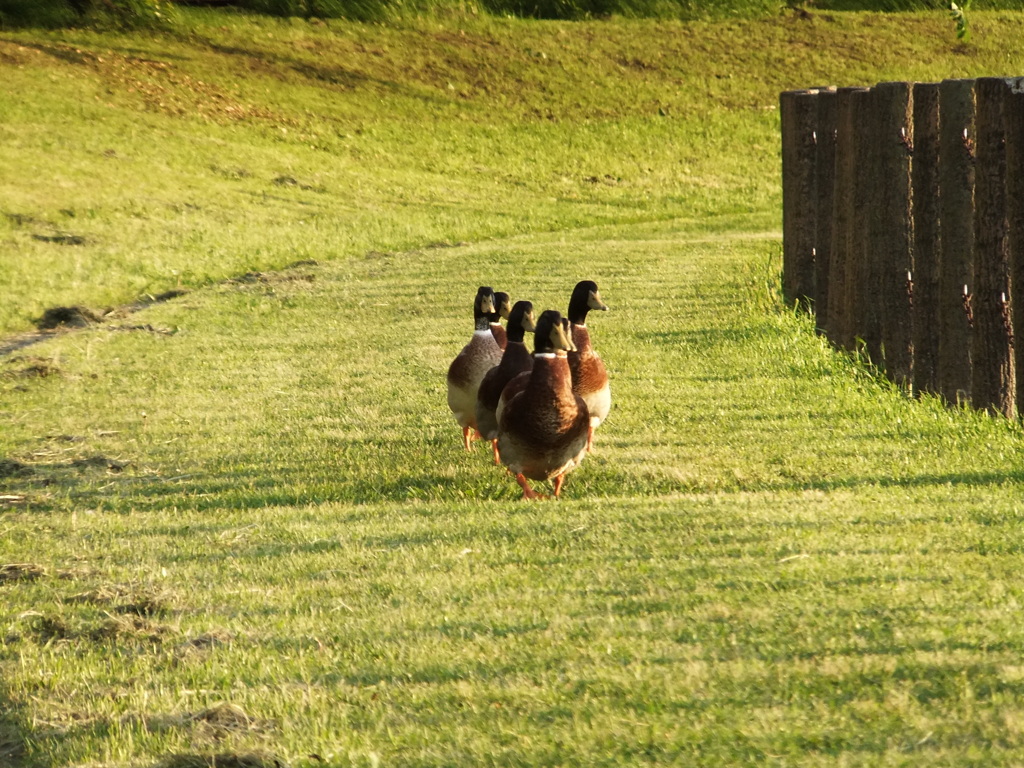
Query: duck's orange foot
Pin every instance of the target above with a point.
(558, 483)
(528, 492)
(469, 434)
(590, 440)
(497, 455)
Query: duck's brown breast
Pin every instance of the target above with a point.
(543, 428)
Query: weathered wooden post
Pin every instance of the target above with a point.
(1014, 123)
(891, 237)
(927, 233)
(825, 184)
(956, 205)
(993, 385)
(840, 328)
(798, 110)
(862, 273)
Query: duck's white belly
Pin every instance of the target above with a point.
(598, 403)
(465, 374)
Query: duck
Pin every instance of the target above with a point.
(470, 366)
(502, 309)
(543, 426)
(515, 360)
(518, 382)
(589, 376)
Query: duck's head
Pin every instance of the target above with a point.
(520, 320)
(483, 305)
(551, 335)
(502, 306)
(585, 297)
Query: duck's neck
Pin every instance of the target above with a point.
(578, 309)
(499, 334)
(483, 323)
(581, 338)
(515, 333)
(516, 357)
(551, 371)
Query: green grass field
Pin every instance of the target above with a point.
(237, 526)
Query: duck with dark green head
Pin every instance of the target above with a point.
(470, 366)
(589, 376)
(543, 425)
(515, 360)
(502, 309)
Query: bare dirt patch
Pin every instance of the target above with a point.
(68, 317)
(12, 468)
(291, 181)
(101, 462)
(126, 612)
(174, 293)
(224, 716)
(75, 318)
(60, 238)
(216, 723)
(272, 278)
(132, 630)
(48, 467)
(124, 599)
(30, 367)
(45, 629)
(12, 572)
(223, 760)
(145, 605)
(224, 719)
(208, 640)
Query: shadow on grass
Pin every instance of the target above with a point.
(927, 479)
(108, 484)
(14, 751)
(334, 75)
(69, 54)
(221, 760)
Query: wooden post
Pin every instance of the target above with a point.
(825, 183)
(891, 237)
(992, 384)
(862, 273)
(925, 285)
(798, 111)
(839, 327)
(956, 203)
(1014, 117)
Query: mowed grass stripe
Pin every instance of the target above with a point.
(343, 358)
(688, 618)
(771, 558)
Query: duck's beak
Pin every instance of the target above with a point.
(529, 322)
(561, 339)
(594, 301)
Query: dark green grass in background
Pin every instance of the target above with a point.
(156, 12)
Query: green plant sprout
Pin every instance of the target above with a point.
(959, 15)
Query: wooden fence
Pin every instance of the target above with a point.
(903, 229)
